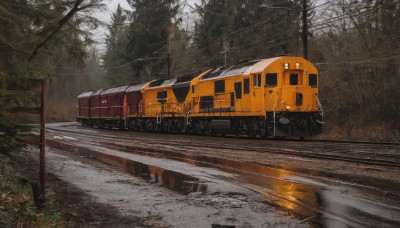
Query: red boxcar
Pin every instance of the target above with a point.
(83, 110)
(133, 100)
(95, 107)
(112, 106)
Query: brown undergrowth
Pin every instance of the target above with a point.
(17, 208)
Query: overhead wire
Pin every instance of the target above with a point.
(244, 31)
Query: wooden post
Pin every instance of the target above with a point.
(42, 172)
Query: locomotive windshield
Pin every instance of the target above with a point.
(294, 79)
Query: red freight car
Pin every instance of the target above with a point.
(133, 98)
(113, 107)
(134, 106)
(83, 110)
(95, 107)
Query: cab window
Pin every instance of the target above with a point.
(257, 80)
(219, 86)
(312, 80)
(246, 86)
(238, 90)
(271, 79)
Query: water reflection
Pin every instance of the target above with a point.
(318, 204)
(173, 180)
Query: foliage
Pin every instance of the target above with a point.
(16, 201)
(116, 61)
(254, 26)
(36, 38)
(360, 71)
(150, 24)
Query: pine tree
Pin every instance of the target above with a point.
(34, 37)
(245, 29)
(151, 22)
(116, 62)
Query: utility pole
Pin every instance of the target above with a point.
(305, 30)
(168, 74)
(224, 52)
(168, 58)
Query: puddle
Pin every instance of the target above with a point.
(175, 181)
(319, 204)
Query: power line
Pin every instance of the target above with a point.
(250, 29)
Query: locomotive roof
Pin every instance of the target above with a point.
(115, 90)
(135, 88)
(162, 83)
(97, 92)
(261, 65)
(85, 95)
(246, 68)
(168, 82)
(238, 68)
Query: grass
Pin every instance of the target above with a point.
(17, 208)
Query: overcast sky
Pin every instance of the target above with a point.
(105, 16)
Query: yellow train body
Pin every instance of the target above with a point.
(248, 92)
(268, 97)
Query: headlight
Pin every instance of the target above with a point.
(286, 66)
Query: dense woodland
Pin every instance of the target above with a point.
(355, 45)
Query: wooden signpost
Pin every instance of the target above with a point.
(37, 86)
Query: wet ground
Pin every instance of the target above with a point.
(180, 189)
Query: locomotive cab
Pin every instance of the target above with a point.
(295, 110)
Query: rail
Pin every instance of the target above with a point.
(301, 153)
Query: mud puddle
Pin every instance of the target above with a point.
(314, 202)
(221, 205)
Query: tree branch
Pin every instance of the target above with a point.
(60, 23)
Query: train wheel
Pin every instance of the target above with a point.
(151, 125)
(243, 128)
(179, 126)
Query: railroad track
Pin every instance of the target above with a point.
(360, 157)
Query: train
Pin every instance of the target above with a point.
(273, 97)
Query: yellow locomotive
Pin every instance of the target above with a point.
(269, 97)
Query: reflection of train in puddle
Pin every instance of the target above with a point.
(320, 205)
(173, 180)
